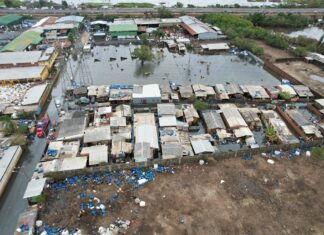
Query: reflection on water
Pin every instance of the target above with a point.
(311, 32)
(317, 78)
(114, 65)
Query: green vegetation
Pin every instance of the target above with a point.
(158, 34)
(200, 105)
(65, 4)
(318, 153)
(71, 36)
(281, 20)
(163, 12)
(241, 29)
(134, 5)
(179, 5)
(143, 53)
(8, 126)
(303, 3)
(271, 135)
(285, 95)
(11, 3)
(244, 44)
(145, 39)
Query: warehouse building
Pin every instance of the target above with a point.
(198, 29)
(72, 19)
(123, 30)
(23, 74)
(28, 58)
(25, 40)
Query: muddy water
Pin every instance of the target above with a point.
(183, 69)
(317, 78)
(310, 32)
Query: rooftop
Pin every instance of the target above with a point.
(34, 94)
(146, 91)
(31, 57)
(122, 27)
(97, 134)
(11, 19)
(202, 146)
(97, 154)
(21, 42)
(21, 73)
(8, 156)
(215, 46)
(142, 151)
(233, 118)
(70, 18)
(166, 109)
(35, 188)
(213, 119)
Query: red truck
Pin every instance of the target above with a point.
(42, 125)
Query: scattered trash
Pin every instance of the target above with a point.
(270, 161)
(142, 181)
(181, 220)
(39, 223)
(222, 181)
(308, 153)
(137, 200)
(201, 162)
(142, 204)
(247, 157)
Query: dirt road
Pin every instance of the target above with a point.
(223, 197)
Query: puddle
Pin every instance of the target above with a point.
(317, 78)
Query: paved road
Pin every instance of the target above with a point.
(12, 202)
(313, 11)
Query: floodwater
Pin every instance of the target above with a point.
(201, 3)
(182, 69)
(310, 32)
(317, 78)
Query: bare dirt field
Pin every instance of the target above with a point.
(303, 72)
(231, 196)
(271, 53)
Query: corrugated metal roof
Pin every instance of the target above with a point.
(215, 46)
(142, 151)
(166, 109)
(31, 57)
(21, 73)
(202, 146)
(147, 133)
(146, 91)
(34, 94)
(97, 154)
(21, 42)
(10, 19)
(213, 119)
(35, 188)
(122, 27)
(298, 118)
(233, 118)
(6, 159)
(97, 134)
(71, 18)
(166, 121)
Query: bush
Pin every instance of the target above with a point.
(271, 135)
(200, 105)
(318, 153)
(285, 95)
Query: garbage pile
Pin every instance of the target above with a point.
(119, 226)
(290, 154)
(92, 204)
(13, 94)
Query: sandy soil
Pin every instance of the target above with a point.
(255, 198)
(302, 71)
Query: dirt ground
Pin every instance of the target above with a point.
(271, 53)
(231, 196)
(302, 71)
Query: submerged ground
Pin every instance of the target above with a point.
(231, 196)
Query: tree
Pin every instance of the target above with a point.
(271, 135)
(71, 36)
(144, 39)
(191, 6)
(200, 105)
(42, 3)
(163, 12)
(158, 34)
(143, 53)
(65, 4)
(179, 5)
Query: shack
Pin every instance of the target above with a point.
(190, 114)
(212, 120)
(287, 88)
(146, 94)
(304, 124)
(255, 92)
(212, 47)
(97, 135)
(251, 116)
(186, 92)
(73, 126)
(96, 154)
(283, 133)
(221, 92)
(145, 129)
(201, 146)
(99, 93)
(121, 149)
(233, 118)
(272, 91)
(166, 109)
(123, 111)
(171, 150)
(120, 93)
(303, 91)
(234, 90)
(142, 152)
(34, 189)
(203, 91)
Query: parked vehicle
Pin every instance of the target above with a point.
(41, 126)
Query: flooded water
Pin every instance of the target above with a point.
(310, 32)
(183, 69)
(173, 2)
(317, 78)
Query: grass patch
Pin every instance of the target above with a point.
(200, 105)
(134, 5)
(318, 153)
